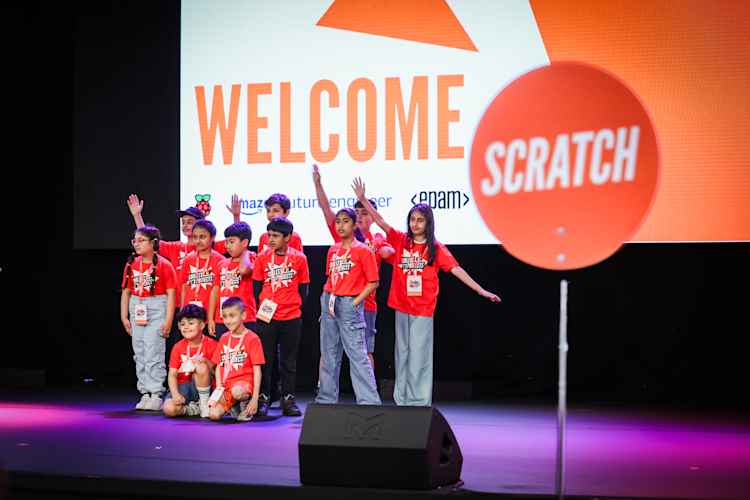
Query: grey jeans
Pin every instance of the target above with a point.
(148, 344)
(413, 356)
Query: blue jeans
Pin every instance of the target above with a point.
(345, 331)
(370, 331)
(148, 345)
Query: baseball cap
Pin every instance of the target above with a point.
(193, 212)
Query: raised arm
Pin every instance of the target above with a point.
(359, 189)
(235, 208)
(136, 207)
(459, 273)
(328, 214)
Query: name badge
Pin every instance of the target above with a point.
(332, 305)
(266, 310)
(414, 285)
(141, 315)
(215, 396)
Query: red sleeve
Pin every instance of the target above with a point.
(328, 261)
(395, 237)
(296, 242)
(210, 349)
(125, 280)
(379, 242)
(369, 265)
(332, 230)
(444, 258)
(170, 277)
(258, 267)
(216, 356)
(304, 271)
(217, 270)
(256, 352)
(185, 269)
(220, 246)
(174, 357)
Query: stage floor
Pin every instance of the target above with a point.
(507, 448)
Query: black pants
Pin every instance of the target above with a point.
(286, 335)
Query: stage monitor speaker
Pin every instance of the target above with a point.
(398, 447)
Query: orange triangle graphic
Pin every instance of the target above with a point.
(426, 21)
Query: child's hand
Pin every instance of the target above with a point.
(178, 399)
(316, 174)
(359, 188)
(251, 408)
(235, 208)
(489, 295)
(212, 327)
(135, 205)
(165, 328)
(126, 324)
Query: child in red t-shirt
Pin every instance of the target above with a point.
(414, 290)
(235, 278)
(377, 243)
(352, 276)
(190, 366)
(278, 205)
(280, 281)
(238, 359)
(146, 311)
(201, 268)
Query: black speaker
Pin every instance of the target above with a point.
(396, 447)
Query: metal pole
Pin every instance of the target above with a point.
(561, 395)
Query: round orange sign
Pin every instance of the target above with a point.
(564, 166)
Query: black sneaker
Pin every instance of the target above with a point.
(289, 407)
(262, 406)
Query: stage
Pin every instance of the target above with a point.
(63, 443)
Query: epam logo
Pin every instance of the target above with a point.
(441, 200)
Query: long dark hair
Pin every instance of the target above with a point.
(352, 214)
(429, 230)
(153, 234)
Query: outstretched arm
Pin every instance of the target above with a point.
(359, 189)
(459, 273)
(328, 214)
(136, 207)
(235, 209)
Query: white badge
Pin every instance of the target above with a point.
(266, 310)
(414, 285)
(141, 315)
(197, 303)
(215, 396)
(332, 305)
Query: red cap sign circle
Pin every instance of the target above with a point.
(564, 166)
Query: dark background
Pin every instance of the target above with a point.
(91, 99)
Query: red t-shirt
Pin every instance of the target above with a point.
(294, 242)
(231, 284)
(412, 258)
(236, 357)
(375, 242)
(281, 277)
(140, 277)
(182, 351)
(200, 275)
(221, 246)
(175, 251)
(350, 269)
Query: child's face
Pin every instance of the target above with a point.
(344, 225)
(202, 239)
(275, 210)
(364, 219)
(235, 246)
(417, 223)
(190, 328)
(277, 240)
(187, 225)
(233, 317)
(142, 245)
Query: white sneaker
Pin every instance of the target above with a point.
(192, 409)
(155, 403)
(241, 417)
(144, 403)
(203, 405)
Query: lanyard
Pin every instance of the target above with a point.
(142, 285)
(200, 350)
(275, 271)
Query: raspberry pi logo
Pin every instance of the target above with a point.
(202, 202)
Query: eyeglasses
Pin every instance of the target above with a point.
(139, 240)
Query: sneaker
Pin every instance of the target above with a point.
(289, 407)
(241, 417)
(192, 409)
(154, 403)
(262, 406)
(203, 405)
(143, 404)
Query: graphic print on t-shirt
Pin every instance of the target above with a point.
(143, 280)
(339, 267)
(200, 278)
(279, 274)
(235, 356)
(230, 279)
(412, 262)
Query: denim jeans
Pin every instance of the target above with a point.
(148, 345)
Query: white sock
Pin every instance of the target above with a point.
(203, 394)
